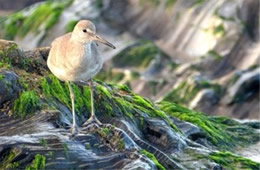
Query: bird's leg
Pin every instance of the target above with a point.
(73, 128)
(93, 118)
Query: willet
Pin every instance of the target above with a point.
(75, 57)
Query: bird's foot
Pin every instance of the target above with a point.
(74, 131)
(92, 120)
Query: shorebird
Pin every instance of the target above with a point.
(75, 57)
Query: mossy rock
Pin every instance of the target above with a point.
(45, 142)
(20, 24)
(231, 162)
(223, 132)
(138, 55)
(186, 90)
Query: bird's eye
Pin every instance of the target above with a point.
(84, 30)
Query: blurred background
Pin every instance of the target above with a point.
(203, 54)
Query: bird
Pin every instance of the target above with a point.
(75, 57)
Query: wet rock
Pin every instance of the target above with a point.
(195, 90)
(9, 86)
(157, 132)
(134, 129)
(204, 100)
(9, 48)
(245, 87)
(188, 129)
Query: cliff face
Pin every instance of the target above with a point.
(201, 54)
(136, 133)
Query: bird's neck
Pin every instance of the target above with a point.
(75, 39)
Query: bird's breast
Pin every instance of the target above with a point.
(88, 64)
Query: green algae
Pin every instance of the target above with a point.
(120, 100)
(123, 88)
(54, 88)
(11, 27)
(221, 131)
(109, 76)
(214, 132)
(12, 55)
(103, 90)
(104, 132)
(23, 83)
(215, 55)
(4, 65)
(7, 159)
(66, 149)
(147, 107)
(27, 103)
(8, 49)
(219, 30)
(138, 55)
(47, 13)
(185, 92)
(38, 163)
(87, 146)
(124, 106)
(1, 77)
(232, 162)
(120, 144)
(70, 25)
(181, 94)
(152, 158)
(43, 142)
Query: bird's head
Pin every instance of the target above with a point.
(85, 32)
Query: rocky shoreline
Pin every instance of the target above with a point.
(35, 119)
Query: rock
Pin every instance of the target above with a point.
(204, 100)
(9, 86)
(212, 45)
(9, 48)
(193, 90)
(134, 129)
(188, 129)
(246, 86)
(158, 133)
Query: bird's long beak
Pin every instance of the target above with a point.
(99, 39)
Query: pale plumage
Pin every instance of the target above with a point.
(75, 57)
(78, 62)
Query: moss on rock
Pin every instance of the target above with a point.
(153, 158)
(186, 91)
(38, 163)
(119, 102)
(109, 76)
(11, 26)
(232, 162)
(54, 88)
(27, 103)
(138, 55)
(223, 132)
(47, 13)
(7, 159)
